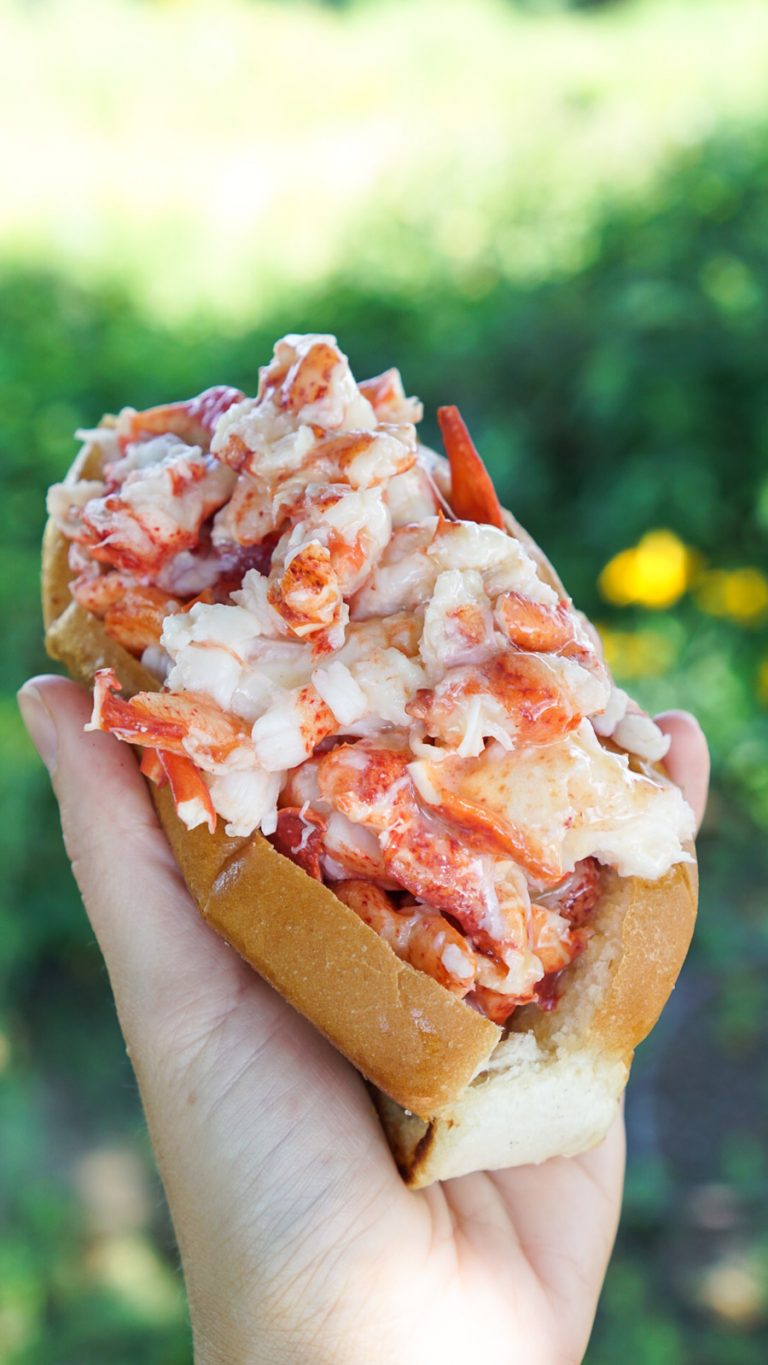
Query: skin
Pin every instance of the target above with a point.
(298, 1240)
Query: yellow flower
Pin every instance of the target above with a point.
(739, 594)
(654, 573)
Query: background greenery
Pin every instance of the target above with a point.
(556, 216)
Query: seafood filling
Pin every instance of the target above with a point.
(356, 657)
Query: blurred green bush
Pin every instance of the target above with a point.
(629, 396)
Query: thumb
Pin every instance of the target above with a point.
(244, 1101)
(183, 996)
(155, 945)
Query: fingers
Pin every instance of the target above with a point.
(688, 759)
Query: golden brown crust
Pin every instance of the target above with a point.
(55, 574)
(410, 1037)
(657, 921)
(78, 640)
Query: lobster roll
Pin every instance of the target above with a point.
(385, 747)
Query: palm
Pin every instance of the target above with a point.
(299, 1240)
(511, 1257)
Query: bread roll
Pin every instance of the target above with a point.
(454, 1092)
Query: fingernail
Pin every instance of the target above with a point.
(41, 727)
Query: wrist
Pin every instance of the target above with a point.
(233, 1331)
(256, 1344)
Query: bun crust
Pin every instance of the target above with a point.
(454, 1094)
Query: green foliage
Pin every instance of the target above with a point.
(628, 394)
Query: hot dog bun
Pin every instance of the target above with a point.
(453, 1093)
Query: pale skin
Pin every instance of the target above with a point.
(298, 1240)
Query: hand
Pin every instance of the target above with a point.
(298, 1240)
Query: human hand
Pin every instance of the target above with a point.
(298, 1240)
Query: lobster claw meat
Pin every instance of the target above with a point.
(191, 796)
(473, 496)
(151, 767)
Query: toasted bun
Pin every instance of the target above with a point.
(453, 1093)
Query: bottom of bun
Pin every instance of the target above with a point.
(529, 1106)
(553, 1084)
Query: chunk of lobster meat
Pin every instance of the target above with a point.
(416, 555)
(66, 502)
(183, 723)
(365, 781)
(158, 511)
(193, 420)
(436, 947)
(309, 376)
(443, 789)
(550, 792)
(516, 698)
(388, 399)
(367, 459)
(200, 572)
(352, 851)
(248, 517)
(497, 1005)
(436, 866)
(458, 627)
(364, 639)
(306, 594)
(191, 796)
(246, 797)
(301, 787)
(404, 577)
(631, 729)
(507, 974)
(151, 767)
(550, 629)
(417, 934)
(516, 976)
(371, 785)
(133, 613)
(534, 626)
(575, 897)
(554, 940)
(379, 673)
(503, 561)
(473, 496)
(299, 836)
(354, 525)
(291, 729)
(412, 496)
